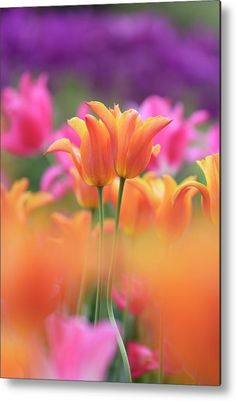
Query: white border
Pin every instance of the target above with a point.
(30, 3)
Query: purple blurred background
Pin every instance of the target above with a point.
(116, 54)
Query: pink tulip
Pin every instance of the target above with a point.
(141, 359)
(78, 350)
(57, 179)
(214, 139)
(133, 295)
(206, 144)
(27, 117)
(176, 137)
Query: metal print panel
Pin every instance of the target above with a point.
(110, 193)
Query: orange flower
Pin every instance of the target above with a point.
(93, 159)
(73, 235)
(23, 355)
(210, 168)
(137, 209)
(86, 195)
(32, 276)
(131, 138)
(17, 203)
(185, 283)
(173, 206)
(210, 192)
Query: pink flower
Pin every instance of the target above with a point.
(214, 139)
(176, 137)
(141, 359)
(27, 117)
(205, 144)
(133, 295)
(57, 178)
(78, 350)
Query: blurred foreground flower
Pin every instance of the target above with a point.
(22, 354)
(142, 360)
(27, 117)
(73, 233)
(184, 291)
(133, 295)
(17, 203)
(79, 351)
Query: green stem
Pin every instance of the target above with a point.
(100, 251)
(124, 319)
(128, 295)
(109, 286)
(81, 292)
(160, 372)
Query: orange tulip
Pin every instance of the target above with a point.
(73, 235)
(131, 138)
(210, 168)
(210, 192)
(32, 276)
(173, 206)
(17, 203)
(93, 159)
(137, 209)
(86, 195)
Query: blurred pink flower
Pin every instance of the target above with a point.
(78, 350)
(214, 139)
(205, 144)
(141, 359)
(133, 295)
(174, 139)
(57, 179)
(27, 117)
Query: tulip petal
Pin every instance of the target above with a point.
(202, 189)
(78, 126)
(106, 116)
(60, 145)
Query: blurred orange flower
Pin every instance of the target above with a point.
(73, 235)
(211, 191)
(138, 208)
(17, 203)
(184, 291)
(22, 355)
(172, 212)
